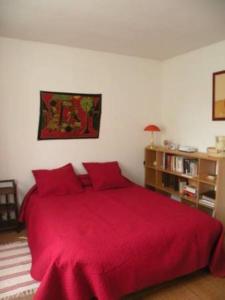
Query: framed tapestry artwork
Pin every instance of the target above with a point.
(218, 96)
(69, 115)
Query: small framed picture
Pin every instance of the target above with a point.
(218, 101)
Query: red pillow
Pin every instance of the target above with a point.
(106, 175)
(61, 181)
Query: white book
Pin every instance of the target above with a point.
(182, 184)
(179, 164)
(207, 198)
(190, 189)
(207, 203)
(193, 168)
(175, 197)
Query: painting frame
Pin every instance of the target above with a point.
(218, 96)
(69, 115)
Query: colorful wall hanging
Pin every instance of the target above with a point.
(69, 115)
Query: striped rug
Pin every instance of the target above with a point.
(15, 264)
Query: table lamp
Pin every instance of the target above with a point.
(152, 128)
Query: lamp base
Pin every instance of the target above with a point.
(151, 146)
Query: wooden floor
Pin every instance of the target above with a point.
(200, 285)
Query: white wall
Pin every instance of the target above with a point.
(131, 99)
(187, 97)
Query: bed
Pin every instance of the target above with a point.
(107, 243)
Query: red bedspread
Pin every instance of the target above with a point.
(110, 243)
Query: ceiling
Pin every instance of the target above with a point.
(157, 29)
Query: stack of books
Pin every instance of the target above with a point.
(208, 199)
(179, 185)
(190, 191)
(180, 164)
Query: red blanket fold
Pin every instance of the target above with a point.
(109, 243)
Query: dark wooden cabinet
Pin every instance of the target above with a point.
(8, 205)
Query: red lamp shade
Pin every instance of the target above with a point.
(152, 128)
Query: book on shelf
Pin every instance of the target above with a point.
(194, 167)
(182, 184)
(209, 195)
(207, 203)
(178, 184)
(175, 197)
(190, 191)
(164, 161)
(170, 181)
(208, 198)
(190, 167)
(179, 164)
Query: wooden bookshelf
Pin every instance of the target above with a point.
(199, 171)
